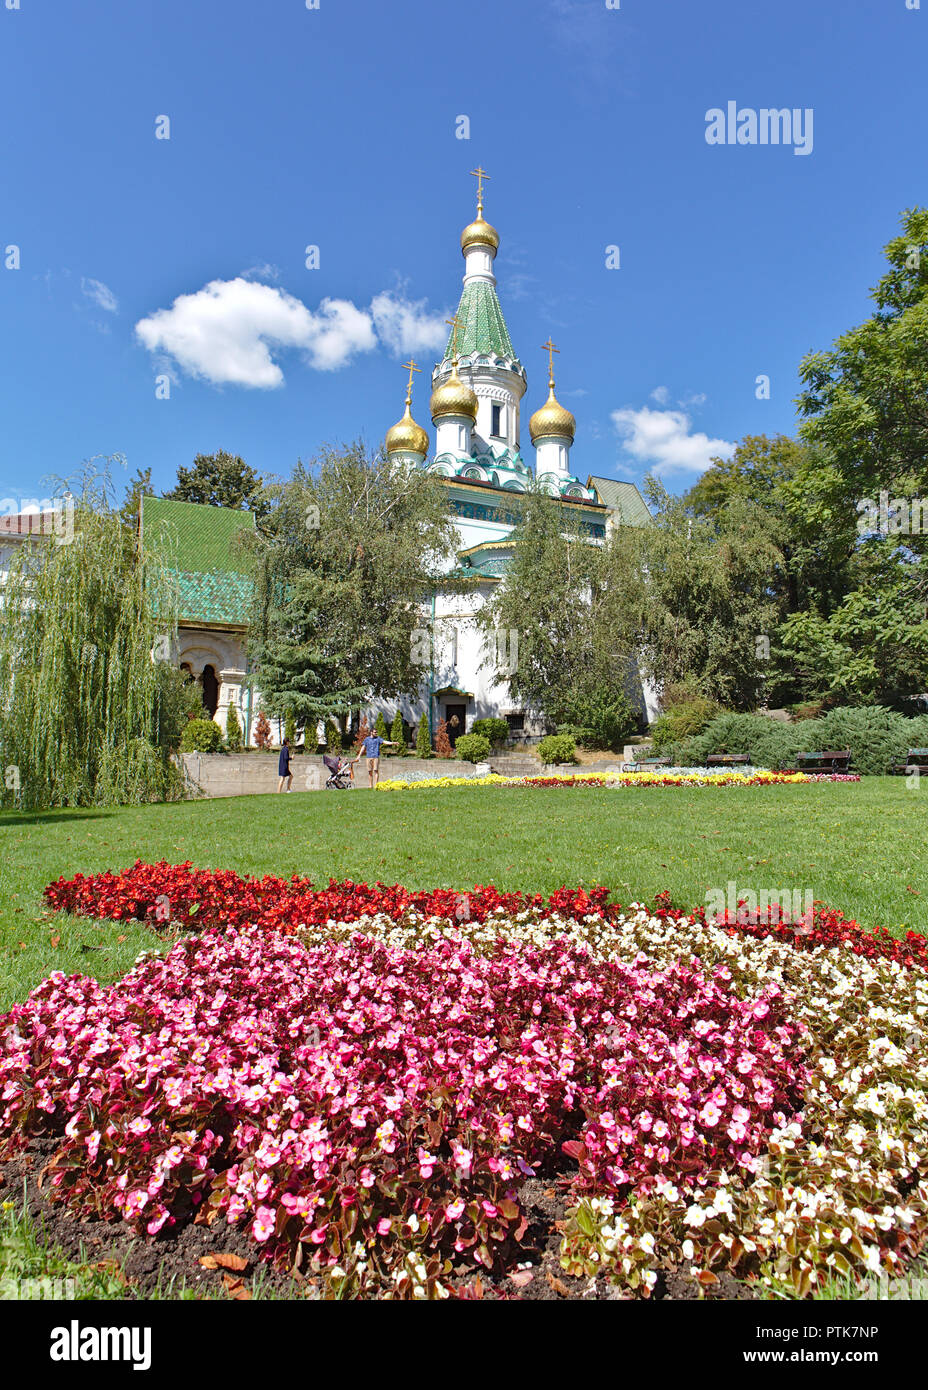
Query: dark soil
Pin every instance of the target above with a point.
(171, 1259)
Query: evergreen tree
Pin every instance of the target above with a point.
(380, 725)
(398, 734)
(263, 732)
(333, 736)
(290, 726)
(220, 480)
(233, 729)
(423, 738)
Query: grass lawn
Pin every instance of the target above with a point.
(861, 847)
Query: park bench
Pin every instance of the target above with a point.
(725, 759)
(914, 758)
(830, 760)
(643, 764)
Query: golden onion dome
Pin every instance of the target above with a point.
(479, 233)
(453, 397)
(552, 418)
(406, 434)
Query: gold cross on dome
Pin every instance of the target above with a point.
(480, 174)
(550, 349)
(455, 329)
(411, 367)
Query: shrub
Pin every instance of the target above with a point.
(380, 725)
(263, 732)
(423, 738)
(333, 736)
(876, 735)
(398, 735)
(496, 730)
(201, 736)
(473, 748)
(290, 727)
(233, 729)
(363, 731)
(557, 748)
(605, 718)
(443, 747)
(682, 721)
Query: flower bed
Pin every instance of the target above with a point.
(365, 1078)
(664, 777)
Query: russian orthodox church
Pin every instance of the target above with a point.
(477, 393)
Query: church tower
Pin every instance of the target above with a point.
(480, 356)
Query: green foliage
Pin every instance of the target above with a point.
(877, 737)
(682, 720)
(233, 730)
(495, 730)
(600, 717)
(220, 480)
(570, 604)
(557, 748)
(380, 725)
(398, 735)
(343, 564)
(201, 736)
(473, 748)
(863, 399)
(701, 596)
(423, 738)
(290, 726)
(333, 736)
(89, 718)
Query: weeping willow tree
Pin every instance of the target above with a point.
(90, 708)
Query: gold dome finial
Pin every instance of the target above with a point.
(453, 397)
(552, 418)
(479, 232)
(406, 434)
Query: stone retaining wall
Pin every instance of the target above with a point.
(255, 774)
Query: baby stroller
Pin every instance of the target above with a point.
(339, 774)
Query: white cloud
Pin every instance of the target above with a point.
(225, 332)
(405, 325)
(662, 441)
(231, 332)
(660, 394)
(101, 295)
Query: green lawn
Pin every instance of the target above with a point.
(858, 846)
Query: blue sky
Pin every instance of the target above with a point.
(336, 127)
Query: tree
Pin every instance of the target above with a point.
(220, 480)
(701, 596)
(263, 732)
(569, 604)
(92, 708)
(233, 729)
(333, 736)
(363, 731)
(380, 725)
(873, 649)
(443, 747)
(290, 725)
(863, 400)
(398, 733)
(780, 478)
(139, 487)
(423, 738)
(350, 552)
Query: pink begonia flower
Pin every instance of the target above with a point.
(262, 1227)
(455, 1209)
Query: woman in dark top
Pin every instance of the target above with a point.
(283, 767)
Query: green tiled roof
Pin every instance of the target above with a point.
(482, 326)
(198, 547)
(623, 498)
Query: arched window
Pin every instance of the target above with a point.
(210, 690)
